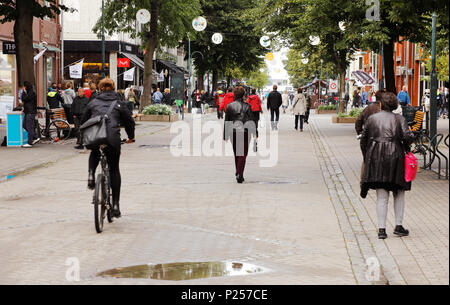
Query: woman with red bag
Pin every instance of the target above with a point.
(385, 140)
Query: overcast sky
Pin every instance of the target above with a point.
(276, 66)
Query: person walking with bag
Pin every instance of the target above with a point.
(239, 127)
(108, 103)
(299, 109)
(385, 139)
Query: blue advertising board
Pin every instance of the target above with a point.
(16, 135)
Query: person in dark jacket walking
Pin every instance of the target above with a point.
(274, 102)
(385, 139)
(54, 98)
(29, 100)
(367, 112)
(239, 126)
(79, 105)
(120, 115)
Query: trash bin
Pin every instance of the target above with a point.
(16, 135)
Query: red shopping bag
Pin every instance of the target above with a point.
(411, 165)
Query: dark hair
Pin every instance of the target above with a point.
(230, 89)
(253, 91)
(27, 85)
(379, 96)
(106, 84)
(299, 90)
(389, 102)
(239, 92)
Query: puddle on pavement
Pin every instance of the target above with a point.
(183, 271)
(6, 178)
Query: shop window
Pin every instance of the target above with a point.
(49, 71)
(7, 83)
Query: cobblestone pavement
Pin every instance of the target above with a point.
(301, 219)
(422, 258)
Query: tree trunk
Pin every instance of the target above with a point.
(23, 36)
(389, 67)
(200, 82)
(341, 91)
(215, 76)
(152, 43)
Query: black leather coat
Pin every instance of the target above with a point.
(120, 115)
(239, 118)
(29, 100)
(385, 140)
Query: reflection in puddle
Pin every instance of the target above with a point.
(183, 271)
(6, 178)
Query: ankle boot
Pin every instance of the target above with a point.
(91, 180)
(382, 234)
(116, 210)
(400, 231)
(240, 178)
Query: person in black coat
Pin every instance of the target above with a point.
(54, 98)
(239, 127)
(120, 115)
(29, 100)
(274, 102)
(384, 142)
(79, 105)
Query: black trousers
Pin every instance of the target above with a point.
(28, 125)
(240, 149)
(297, 119)
(219, 113)
(275, 116)
(77, 122)
(113, 159)
(256, 115)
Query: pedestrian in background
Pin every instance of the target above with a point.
(356, 98)
(54, 99)
(299, 109)
(87, 90)
(364, 97)
(29, 100)
(236, 128)
(274, 102)
(403, 97)
(285, 101)
(255, 103)
(79, 105)
(166, 100)
(308, 106)
(385, 139)
(204, 99)
(219, 96)
(68, 94)
(228, 99)
(157, 96)
(94, 91)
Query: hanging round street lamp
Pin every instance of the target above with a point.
(305, 61)
(342, 26)
(265, 41)
(199, 24)
(143, 16)
(314, 40)
(217, 38)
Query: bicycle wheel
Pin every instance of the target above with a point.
(59, 130)
(424, 151)
(108, 196)
(99, 203)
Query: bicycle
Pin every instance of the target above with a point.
(424, 149)
(102, 193)
(56, 127)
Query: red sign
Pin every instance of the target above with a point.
(123, 62)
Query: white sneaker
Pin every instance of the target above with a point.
(27, 146)
(36, 141)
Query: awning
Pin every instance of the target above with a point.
(139, 62)
(364, 78)
(171, 66)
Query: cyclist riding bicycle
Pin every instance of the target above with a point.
(120, 115)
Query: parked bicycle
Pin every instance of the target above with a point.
(54, 125)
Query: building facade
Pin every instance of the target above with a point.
(46, 35)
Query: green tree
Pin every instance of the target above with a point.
(405, 20)
(22, 12)
(294, 21)
(170, 22)
(240, 47)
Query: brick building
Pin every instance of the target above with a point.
(46, 34)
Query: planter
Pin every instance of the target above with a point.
(326, 111)
(349, 120)
(158, 118)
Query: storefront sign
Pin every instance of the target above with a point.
(123, 62)
(9, 47)
(128, 76)
(333, 86)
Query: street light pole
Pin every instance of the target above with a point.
(190, 80)
(103, 38)
(433, 95)
(382, 68)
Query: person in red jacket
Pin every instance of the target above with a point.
(219, 96)
(228, 99)
(255, 102)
